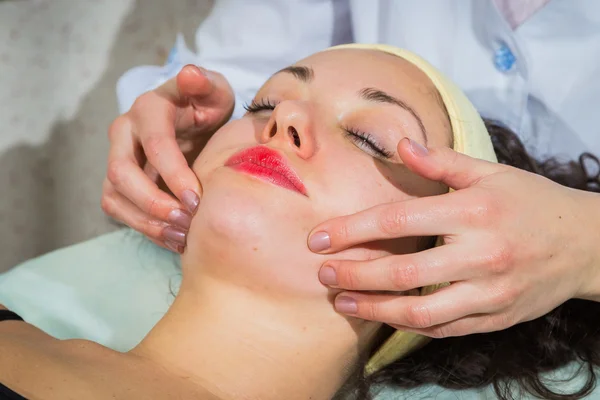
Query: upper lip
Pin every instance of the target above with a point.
(268, 158)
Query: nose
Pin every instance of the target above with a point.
(290, 123)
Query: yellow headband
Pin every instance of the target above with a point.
(470, 138)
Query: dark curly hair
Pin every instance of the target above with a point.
(511, 360)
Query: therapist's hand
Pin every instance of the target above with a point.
(156, 140)
(516, 246)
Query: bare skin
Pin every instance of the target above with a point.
(256, 323)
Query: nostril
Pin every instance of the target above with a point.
(273, 130)
(294, 134)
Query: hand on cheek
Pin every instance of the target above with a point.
(504, 231)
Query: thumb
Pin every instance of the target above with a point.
(194, 83)
(445, 165)
(205, 88)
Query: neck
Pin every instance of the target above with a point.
(237, 344)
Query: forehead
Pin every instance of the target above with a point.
(355, 69)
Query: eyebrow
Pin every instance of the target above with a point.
(379, 96)
(307, 74)
(304, 74)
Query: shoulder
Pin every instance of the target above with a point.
(16, 333)
(33, 362)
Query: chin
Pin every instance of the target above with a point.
(253, 234)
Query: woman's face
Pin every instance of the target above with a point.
(333, 120)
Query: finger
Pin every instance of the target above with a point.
(167, 244)
(194, 83)
(447, 304)
(445, 165)
(471, 324)
(207, 90)
(151, 173)
(157, 136)
(122, 209)
(172, 246)
(128, 179)
(126, 176)
(159, 232)
(425, 216)
(402, 272)
(195, 95)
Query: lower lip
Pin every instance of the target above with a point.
(265, 174)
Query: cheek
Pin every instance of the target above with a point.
(232, 137)
(359, 185)
(254, 235)
(364, 184)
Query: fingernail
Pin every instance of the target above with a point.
(418, 149)
(346, 305)
(175, 235)
(174, 247)
(202, 71)
(194, 68)
(327, 276)
(180, 218)
(190, 200)
(319, 241)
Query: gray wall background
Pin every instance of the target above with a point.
(59, 62)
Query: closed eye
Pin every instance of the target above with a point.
(367, 142)
(259, 105)
(362, 140)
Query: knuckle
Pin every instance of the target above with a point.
(114, 172)
(475, 216)
(118, 126)
(107, 205)
(502, 296)
(150, 206)
(500, 259)
(441, 332)
(448, 169)
(372, 310)
(349, 277)
(502, 321)
(452, 162)
(142, 102)
(483, 212)
(107, 188)
(392, 219)
(153, 144)
(404, 276)
(342, 232)
(418, 316)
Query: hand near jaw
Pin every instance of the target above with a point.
(516, 246)
(157, 140)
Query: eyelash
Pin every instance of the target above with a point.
(259, 105)
(367, 142)
(362, 140)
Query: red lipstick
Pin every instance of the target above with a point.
(267, 165)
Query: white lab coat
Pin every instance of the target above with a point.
(542, 79)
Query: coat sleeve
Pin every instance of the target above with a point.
(247, 41)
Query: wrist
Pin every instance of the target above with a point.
(589, 227)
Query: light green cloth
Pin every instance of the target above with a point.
(114, 288)
(111, 289)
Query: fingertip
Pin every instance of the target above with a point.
(191, 200)
(174, 247)
(346, 304)
(193, 81)
(403, 146)
(328, 275)
(411, 151)
(194, 70)
(319, 241)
